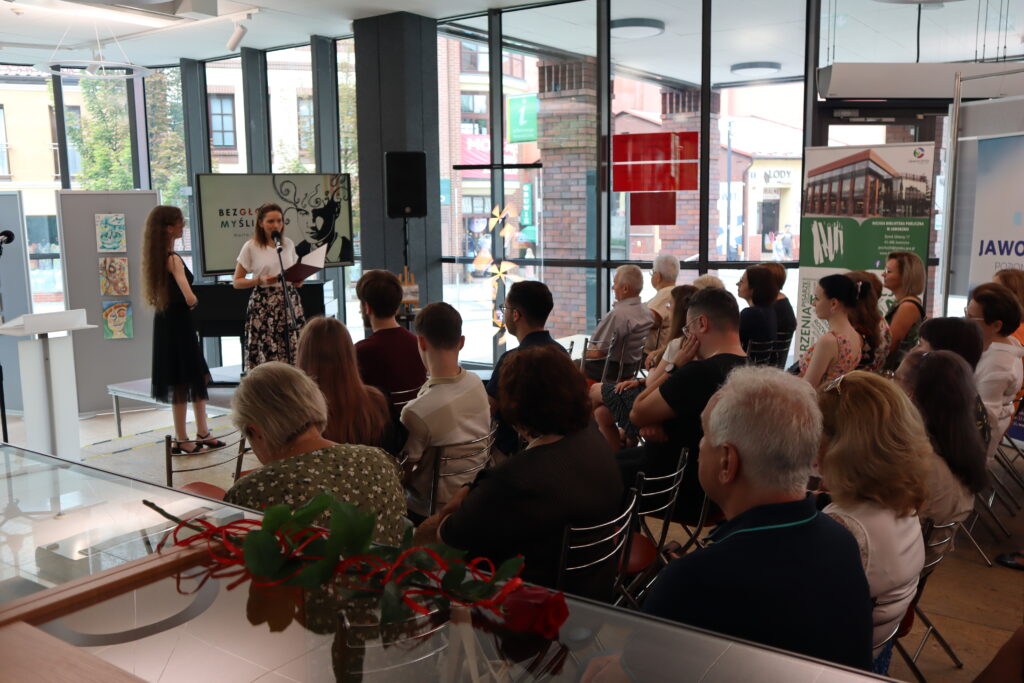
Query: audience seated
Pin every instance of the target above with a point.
(565, 476)
(526, 310)
(612, 401)
(1013, 279)
(708, 280)
(282, 413)
(356, 413)
(941, 385)
(663, 279)
(999, 374)
(874, 464)
(628, 322)
(668, 411)
(388, 358)
(784, 314)
(963, 337)
(451, 408)
(905, 276)
(758, 321)
(778, 572)
(867, 320)
(838, 351)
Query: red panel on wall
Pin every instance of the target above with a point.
(665, 177)
(677, 146)
(652, 208)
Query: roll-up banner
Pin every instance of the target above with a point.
(860, 203)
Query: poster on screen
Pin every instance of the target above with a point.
(998, 208)
(860, 203)
(317, 210)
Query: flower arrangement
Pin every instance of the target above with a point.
(284, 549)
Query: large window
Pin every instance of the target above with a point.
(98, 134)
(290, 81)
(227, 112)
(5, 161)
(165, 122)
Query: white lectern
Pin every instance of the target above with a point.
(48, 390)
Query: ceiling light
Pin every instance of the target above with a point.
(74, 10)
(755, 69)
(236, 37)
(631, 29)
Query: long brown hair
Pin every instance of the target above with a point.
(156, 246)
(356, 413)
(680, 303)
(865, 317)
(261, 213)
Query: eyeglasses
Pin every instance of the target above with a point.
(835, 384)
(972, 317)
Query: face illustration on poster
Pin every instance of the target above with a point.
(114, 276)
(117, 320)
(313, 217)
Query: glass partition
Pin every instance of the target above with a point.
(226, 107)
(290, 82)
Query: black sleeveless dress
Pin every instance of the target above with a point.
(180, 373)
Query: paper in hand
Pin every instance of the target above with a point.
(310, 263)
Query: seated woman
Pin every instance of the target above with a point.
(905, 277)
(999, 373)
(784, 313)
(356, 413)
(612, 402)
(874, 463)
(869, 323)
(941, 385)
(838, 351)
(282, 414)
(962, 337)
(758, 286)
(566, 476)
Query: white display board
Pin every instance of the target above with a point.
(127, 355)
(15, 292)
(998, 208)
(317, 210)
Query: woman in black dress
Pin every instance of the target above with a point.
(180, 373)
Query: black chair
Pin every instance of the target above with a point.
(780, 350)
(760, 352)
(589, 550)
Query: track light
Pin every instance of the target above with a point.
(236, 37)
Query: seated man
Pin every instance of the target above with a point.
(628, 321)
(668, 410)
(663, 279)
(527, 305)
(389, 358)
(451, 408)
(778, 572)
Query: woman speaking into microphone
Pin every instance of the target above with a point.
(267, 336)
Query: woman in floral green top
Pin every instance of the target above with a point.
(282, 414)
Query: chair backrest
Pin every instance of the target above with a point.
(658, 495)
(938, 540)
(402, 396)
(459, 453)
(236, 454)
(597, 547)
(604, 346)
(780, 350)
(632, 347)
(760, 352)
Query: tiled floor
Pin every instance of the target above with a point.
(976, 607)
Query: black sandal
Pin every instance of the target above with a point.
(205, 440)
(178, 447)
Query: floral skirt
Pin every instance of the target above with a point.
(266, 323)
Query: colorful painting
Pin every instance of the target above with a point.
(110, 234)
(114, 276)
(117, 320)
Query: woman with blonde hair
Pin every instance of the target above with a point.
(904, 276)
(267, 335)
(875, 465)
(282, 414)
(356, 413)
(180, 373)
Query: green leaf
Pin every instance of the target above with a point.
(314, 574)
(392, 608)
(509, 568)
(263, 555)
(351, 530)
(408, 533)
(475, 590)
(306, 513)
(275, 517)
(454, 577)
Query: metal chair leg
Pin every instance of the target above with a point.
(911, 664)
(963, 527)
(932, 630)
(1003, 495)
(1004, 461)
(987, 506)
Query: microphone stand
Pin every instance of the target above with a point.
(290, 323)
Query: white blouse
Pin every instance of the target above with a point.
(892, 552)
(263, 260)
(999, 376)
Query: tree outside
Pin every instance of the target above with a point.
(101, 135)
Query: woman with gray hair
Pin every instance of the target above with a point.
(282, 413)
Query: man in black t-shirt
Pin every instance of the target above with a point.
(668, 411)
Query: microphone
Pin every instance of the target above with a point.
(6, 236)
(276, 236)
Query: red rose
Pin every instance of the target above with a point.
(532, 609)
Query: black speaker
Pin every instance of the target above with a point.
(406, 184)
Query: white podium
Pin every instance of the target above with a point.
(48, 390)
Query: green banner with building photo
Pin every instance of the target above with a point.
(859, 204)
